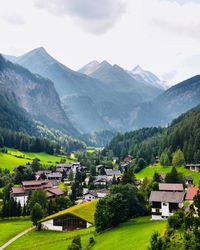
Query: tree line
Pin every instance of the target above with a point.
(26, 143)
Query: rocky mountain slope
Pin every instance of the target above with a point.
(35, 94)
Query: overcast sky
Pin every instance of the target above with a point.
(162, 36)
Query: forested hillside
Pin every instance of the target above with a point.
(183, 133)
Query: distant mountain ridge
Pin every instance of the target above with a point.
(167, 106)
(104, 96)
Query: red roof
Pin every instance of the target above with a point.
(191, 192)
(18, 190)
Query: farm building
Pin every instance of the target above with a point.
(76, 217)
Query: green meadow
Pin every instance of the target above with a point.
(11, 227)
(150, 170)
(15, 158)
(134, 234)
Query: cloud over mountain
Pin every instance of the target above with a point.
(94, 16)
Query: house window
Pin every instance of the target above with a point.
(164, 204)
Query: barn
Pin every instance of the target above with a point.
(76, 217)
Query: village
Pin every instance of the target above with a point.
(85, 186)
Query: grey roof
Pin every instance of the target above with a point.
(171, 187)
(112, 172)
(164, 196)
(54, 174)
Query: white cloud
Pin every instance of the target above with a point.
(13, 18)
(94, 16)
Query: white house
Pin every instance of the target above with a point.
(167, 200)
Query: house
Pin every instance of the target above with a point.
(128, 158)
(43, 173)
(75, 217)
(174, 187)
(167, 200)
(100, 180)
(191, 192)
(189, 180)
(54, 176)
(112, 173)
(62, 167)
(193, 167)
(91, 195)
(95, 194)
(54, 192)
(20, 194)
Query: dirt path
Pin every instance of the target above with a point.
(16, 237)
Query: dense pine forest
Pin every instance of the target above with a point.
(183, 133)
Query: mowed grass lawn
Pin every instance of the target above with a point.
(11, 227)
(50, 240)
(134, 235)
(150, 170)
(10, 160)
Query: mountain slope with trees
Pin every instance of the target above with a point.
(183, 134)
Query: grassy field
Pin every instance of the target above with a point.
(12, 159)
(50, 240)
(135, 234)
(10, 228)
(150, 170)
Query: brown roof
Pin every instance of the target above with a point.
(54, 192)
(18, 190)
(191, 192)
(37, 184)
(171, 187)
(164, 196)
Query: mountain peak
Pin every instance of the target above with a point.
(105, 63)
(89, 68)
(137, 69)
(40, 50)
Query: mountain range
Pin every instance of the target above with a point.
(100, 100)
(99, 96)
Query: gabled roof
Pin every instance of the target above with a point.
(84, 211)
(171, 187)
(191, 192)
(54, 192)
(164, 196)
(18, 190)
